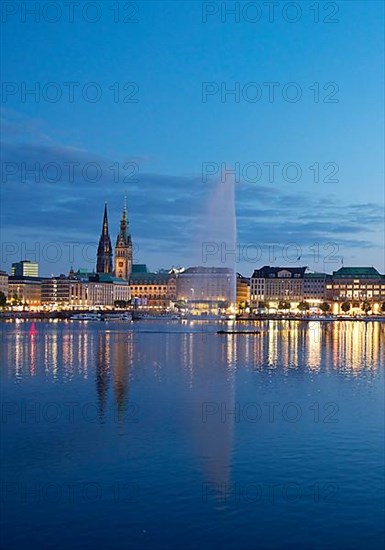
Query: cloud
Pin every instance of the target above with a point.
(168, 213)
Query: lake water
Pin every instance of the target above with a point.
(163, 436)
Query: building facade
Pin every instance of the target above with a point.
(55, 292)
(4, 283)
(243, 291)
(98, 291)
(24, 291)
(152, 290)
(206, 288)
(118, 290)
(25, 268)
(314, 287)
(79, 294)
(355, 285)
(275, 284)
(81, 291)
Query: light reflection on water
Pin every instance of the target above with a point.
(170, 407)
(71, 349)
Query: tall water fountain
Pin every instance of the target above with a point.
(218, 242)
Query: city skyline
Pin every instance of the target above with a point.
(322, 257)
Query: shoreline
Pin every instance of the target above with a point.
(66, 316)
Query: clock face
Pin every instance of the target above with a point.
(120, 264)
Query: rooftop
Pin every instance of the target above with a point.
(267, 271)
(107, 278)
(149, 278)
(25, 262)
(207, 270)
(139, 268)
(317, 275)
(24, 279)
(357, 272)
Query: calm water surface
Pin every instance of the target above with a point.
(169, 435)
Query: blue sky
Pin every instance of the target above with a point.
(170, 132)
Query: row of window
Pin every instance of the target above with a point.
(153, 296)
(336, 286)
(284, 276)
(136, 288)
(368, 294)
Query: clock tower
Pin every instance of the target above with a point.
(123, 248)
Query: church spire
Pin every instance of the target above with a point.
(104, 255)
(123, 236)
(125, 207)
(105, 221)
(123, 247)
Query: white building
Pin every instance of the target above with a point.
(4, 283)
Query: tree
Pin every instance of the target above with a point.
(325, 307)
(243, 305)
(366, 307)
(345, 307)
(304, 306)
(262, 305)
(284, 305)
(3, 299)
(16, 300)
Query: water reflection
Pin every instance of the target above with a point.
(122, 360)
(103, 372)
(192, 373)
(209, 407)
(62, 351)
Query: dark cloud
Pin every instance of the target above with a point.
(168, 213)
